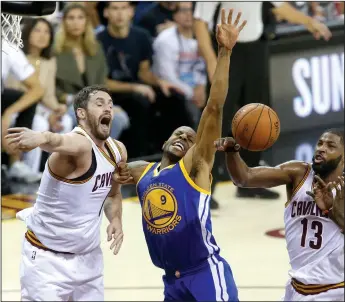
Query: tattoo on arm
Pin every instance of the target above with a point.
(113, 203)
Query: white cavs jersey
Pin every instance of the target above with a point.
(67, 214)
(314, 242)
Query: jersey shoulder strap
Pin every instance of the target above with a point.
(81, 131)
(117, 149)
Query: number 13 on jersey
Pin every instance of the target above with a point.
(315, 226)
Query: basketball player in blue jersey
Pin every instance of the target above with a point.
(175, 194)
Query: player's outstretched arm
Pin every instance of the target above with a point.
(211, 120)
(258, 177)
(25, 139)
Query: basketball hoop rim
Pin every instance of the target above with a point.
(28, 8)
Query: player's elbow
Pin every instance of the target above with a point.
(39, 91)
(241, 179)
(240, 182)
(33, 95)
(34, 87)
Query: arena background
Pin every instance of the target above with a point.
(249, 231)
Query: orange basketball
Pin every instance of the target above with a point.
(255, 127)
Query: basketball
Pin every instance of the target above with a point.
(255, 127)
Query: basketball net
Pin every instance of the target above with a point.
(10, 30)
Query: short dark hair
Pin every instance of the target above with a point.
(29, 25)
(338, 132)
(83, 96)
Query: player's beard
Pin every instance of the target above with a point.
(173, 158)
(325, 168)
(95, 127)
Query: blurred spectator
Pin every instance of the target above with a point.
(81, 62)
(177, 59)
(56, 18)
(141, 9)
(301, 6)
(158, 17)
(339, 5)
(129, 51)
(330, 10)
(95, 15)
(317, 11)
(322, 11)
(19, 104)
(37, 35)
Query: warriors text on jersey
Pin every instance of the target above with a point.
(176, 218)
(67, 214)
(314, 242)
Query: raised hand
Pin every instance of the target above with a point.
(319, 30)
(227, 144)
(227, 33)
(24, 139)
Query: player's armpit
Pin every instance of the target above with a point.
(72, 144)
(211, 127)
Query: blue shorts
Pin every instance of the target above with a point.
(211, 281)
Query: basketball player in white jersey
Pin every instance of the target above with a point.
(61, 256)
(315, 241)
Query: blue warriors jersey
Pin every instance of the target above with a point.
(176, 217)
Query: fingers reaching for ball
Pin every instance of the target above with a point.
(227, 144)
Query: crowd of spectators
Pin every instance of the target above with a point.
(144, 52)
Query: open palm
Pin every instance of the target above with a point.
(227, 33)
(24, 139)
